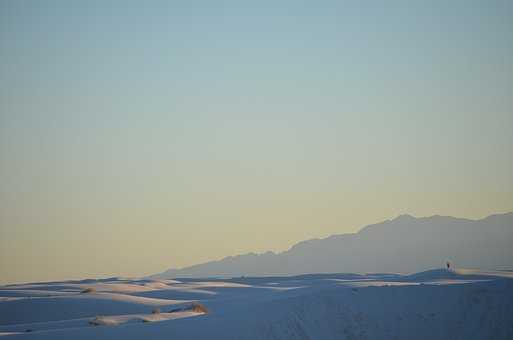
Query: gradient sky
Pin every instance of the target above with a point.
(138, 136)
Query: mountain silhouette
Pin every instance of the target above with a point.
(404, 244)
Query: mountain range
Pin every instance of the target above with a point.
(404, 244)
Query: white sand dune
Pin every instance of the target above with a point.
(39, 309)
(112, 320)
(436, 304)
(458, 274)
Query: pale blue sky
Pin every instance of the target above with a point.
(136, 136)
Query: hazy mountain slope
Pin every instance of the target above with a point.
(405, 244)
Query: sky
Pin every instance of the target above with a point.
(137, 136)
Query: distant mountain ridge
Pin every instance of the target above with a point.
(404, 244)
